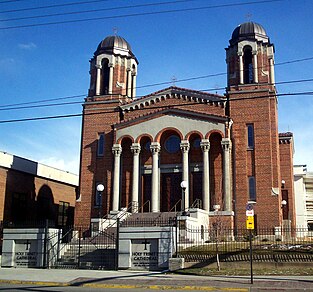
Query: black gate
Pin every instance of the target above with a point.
(83, 248)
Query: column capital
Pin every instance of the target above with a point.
(98, 66)
(135, 148)
(226, 144)
(184, 146)
(205, 145)
(117, 150)
(111, 65)
(254, 52)
(155, 147)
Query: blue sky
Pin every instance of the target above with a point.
(46, 62)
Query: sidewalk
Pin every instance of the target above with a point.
(134, 279)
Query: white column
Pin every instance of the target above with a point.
(155, 196)
(134, 76)
(272, 75)
(205, 146)
(117, 151)
(111, 78)
(98, 80)
(226, 144)
(240, 68)
(135, 148)
(184, 146)
(255, 67)
(129, 83)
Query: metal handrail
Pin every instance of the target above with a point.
(175, 206)
(196, 204)
(146, 203)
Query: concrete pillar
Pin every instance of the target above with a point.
(129, 83)
(205, 146)
(135, 148)
(111, 68)
(155, 196)
(134, 79)
(240, 68)
(272, 74)
(226, 145)
(117, 151)
(255, 67)
(184, 146)
(98, 80)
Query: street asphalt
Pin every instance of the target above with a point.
(153, 280)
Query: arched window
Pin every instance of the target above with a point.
(105, 76)
(247, 65)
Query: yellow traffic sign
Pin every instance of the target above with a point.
(250, 222)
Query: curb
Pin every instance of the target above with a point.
(121, 286)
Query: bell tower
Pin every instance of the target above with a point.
(250, 56)
(113, 69)
(252, 105)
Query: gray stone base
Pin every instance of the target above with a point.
(176, 264)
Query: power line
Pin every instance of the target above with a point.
(154, 107)
(139, 14)
(41, 101)
(10, 1)
(51, 6)
(97, 10)
(23, 105)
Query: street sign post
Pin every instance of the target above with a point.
(250, 227)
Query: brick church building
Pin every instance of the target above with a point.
(225, 147)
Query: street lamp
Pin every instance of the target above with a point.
(183, 186)
(100, 189)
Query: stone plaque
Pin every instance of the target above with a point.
(144, 254)
(26, 254)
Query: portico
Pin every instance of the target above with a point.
(177, 148)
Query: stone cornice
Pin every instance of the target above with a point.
(172, 111)
(175, 93)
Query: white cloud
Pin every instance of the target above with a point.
(28, 46)
(6, 62)
(59, 163)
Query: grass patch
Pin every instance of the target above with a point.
(243, 271)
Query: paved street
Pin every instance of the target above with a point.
(69, 280)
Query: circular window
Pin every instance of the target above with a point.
(147, 146)
(196, 143)
(172, 144)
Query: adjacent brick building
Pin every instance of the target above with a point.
(31, 192)
(225, 147)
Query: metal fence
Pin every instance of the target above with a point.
(275, 245)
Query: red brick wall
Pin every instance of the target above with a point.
(286, 165)
(262, 113)
(3, 177)
(12, 182)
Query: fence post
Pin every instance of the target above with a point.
(58, 246)
(45, 243)
(117, 242)
(79, 245)
(176, 234)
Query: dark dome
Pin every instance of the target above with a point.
(111, 42)
(249, 30)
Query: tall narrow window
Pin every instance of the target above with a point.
(100, 146)
(250, 134)
(63, 213)
(252, 189)
(105, 76)
(247, 65)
